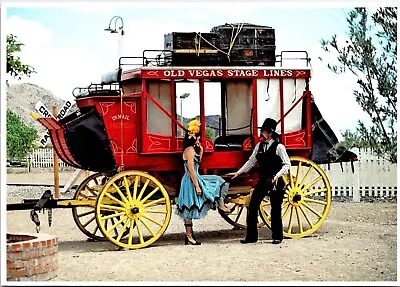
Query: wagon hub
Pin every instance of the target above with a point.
(296, 197)
(135, 210)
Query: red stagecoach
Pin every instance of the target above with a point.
(128, 132)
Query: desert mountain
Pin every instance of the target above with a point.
(22, 98)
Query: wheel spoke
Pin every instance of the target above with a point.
(120, 193)
(153, 202)
(130, 233)
(128, 192)
(121, 232)
(315, 201)
(291, 220)
(89, 221)
(306, 176)
(152, 220)
(313, 210)
(298, 173)
(148, 227)
(239, 213)
(139, 231)
(150, 194)
(312, 183)
(85, 213)
(306, 216)
(115, 199)
(143, 189)
(135, 186)
(112, 207)
(112, 215)
(286, 211)
(90, 190)
(285, 181)
(115, 224)
(299, 220)
(291, 178)
(88, 196)
(163, 211)
(265, 203)
(315, 191)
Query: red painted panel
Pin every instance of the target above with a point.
(247, 144)
(295, 139)
(121, 122)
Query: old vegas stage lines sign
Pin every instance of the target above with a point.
(221, 73)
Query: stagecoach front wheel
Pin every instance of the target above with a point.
(306, 202)
(141, 206)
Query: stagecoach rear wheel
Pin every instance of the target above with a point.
(84, 216)
(238, 216)
(141, 206)
(307, 199)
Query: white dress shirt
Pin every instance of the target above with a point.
(280, 151)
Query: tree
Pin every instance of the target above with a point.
(370, 53)
(20, 137)
(210, 133)
(14, 65)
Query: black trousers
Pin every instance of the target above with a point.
(276, 198)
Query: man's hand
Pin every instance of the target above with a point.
(275, 179)
(233, 174)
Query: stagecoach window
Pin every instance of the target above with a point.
(212, 103)
(158, 122)
(187, 103)
(238, 107)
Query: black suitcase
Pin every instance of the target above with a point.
(249, 36)
(190, 41)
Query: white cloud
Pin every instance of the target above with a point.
(57, 69)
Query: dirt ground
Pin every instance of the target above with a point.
(357, 242)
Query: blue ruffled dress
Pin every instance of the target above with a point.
(193, 206)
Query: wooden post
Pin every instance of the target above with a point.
(55, 165)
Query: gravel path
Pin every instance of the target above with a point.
(357, 242)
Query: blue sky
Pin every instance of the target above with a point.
(68, 46)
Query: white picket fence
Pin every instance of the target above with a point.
(372, 177)
(43, 158)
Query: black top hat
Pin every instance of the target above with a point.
(269, 125)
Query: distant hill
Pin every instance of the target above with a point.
(22, 98)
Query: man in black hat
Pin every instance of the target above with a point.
(273, 162)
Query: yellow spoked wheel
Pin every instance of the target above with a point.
(84, 216)
(306, 202)
(238, 216)
(141, 206)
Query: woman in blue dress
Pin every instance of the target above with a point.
(198, 193)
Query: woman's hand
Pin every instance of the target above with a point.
(198, 190)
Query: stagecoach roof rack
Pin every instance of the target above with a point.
(97, 89)
(162, 58)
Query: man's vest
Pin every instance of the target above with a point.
(269, 162)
